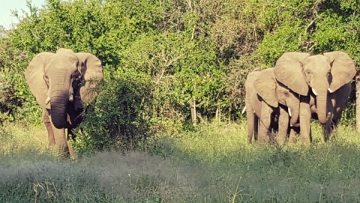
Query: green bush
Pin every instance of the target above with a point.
(16, 100)
(121, 116)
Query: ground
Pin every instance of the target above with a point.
(213, 164)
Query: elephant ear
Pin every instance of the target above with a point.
(342, 69)
(34, 75)
(92, 72)
(289, 71)
(265, 86)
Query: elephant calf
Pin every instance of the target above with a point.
(60, 82)
(269, 105)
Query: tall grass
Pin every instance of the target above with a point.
(212, 164)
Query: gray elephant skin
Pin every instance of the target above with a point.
(323, 83)
(60, 82)
(267, 105)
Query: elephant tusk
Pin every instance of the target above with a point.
(71, 98)
(313, 90)
(289, 110)
(47, 100)
(330, 90)
(243, 111)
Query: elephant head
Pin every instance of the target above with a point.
(274, 93)
(322, 73)
(55, 79)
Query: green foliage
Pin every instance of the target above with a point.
(16, 101)
(175, 54)
(121, 116)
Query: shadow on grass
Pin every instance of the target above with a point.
(213, 164)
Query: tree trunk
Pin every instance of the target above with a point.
(193, 111)
(357, 81)
(217, 115)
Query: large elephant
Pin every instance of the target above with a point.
(60, 82)
(267, 105)
(328, 75)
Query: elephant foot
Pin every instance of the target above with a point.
(281, 140)
(262, 140)
(72, 152)
(51, 140)
(63, 151)
(305, 140)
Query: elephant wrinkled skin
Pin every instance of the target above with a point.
(55, 79)
(267, 105)
(328, 77)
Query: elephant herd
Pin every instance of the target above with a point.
(300, 87)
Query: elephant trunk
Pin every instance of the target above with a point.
(321, 101)
(59, 100)
(294, 114)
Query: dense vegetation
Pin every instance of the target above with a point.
(174, 73)
(168, 64)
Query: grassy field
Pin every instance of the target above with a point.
(213, 164)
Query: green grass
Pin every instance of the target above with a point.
(213, 164)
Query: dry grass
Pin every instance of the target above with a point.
(213, 164)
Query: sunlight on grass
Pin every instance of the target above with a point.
(24, 141)
(212, 164)
(213, 143)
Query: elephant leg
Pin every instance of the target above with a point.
(61, 141)
(256, 127)
(328, 126)
(74, 119)
(72, 152)
(338, 102)
(48, 126)
(283, 126)
(264, 123)
(326, 129)
(250, 116)
(263, 130)
(293, 133)
(71, 135)
(250, 125)
(305, 120)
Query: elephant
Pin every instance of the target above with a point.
(61, 82)
(269, 105)
(328, 76)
